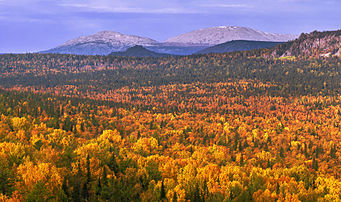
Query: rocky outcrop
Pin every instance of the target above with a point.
(315, 44)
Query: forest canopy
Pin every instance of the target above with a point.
(218, 127)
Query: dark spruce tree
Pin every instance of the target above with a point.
(85, 192)
(162, 192)
(65, 188)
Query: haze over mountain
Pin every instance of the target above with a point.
(105, 42)
(177, 48)
(139, 51)
(101, 43)
(238, 45)
(222, 34)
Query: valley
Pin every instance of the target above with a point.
(170, 101)
(257, 125)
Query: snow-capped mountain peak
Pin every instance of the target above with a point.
(222, 34)
(105, 42)
(101, 43)
(227, 27)
(112, 38)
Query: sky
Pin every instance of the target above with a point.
(35, 25)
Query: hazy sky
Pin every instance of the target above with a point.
(32, 25)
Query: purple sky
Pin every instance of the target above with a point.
(33, 25)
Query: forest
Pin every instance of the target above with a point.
(218, 127)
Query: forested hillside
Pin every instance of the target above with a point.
(292, 76)
(219, 127)
(315, 44)
(238, 45)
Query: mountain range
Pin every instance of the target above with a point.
(106, 42)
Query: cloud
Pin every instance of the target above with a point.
(20, 19)
(224, 5)
(158, 6)
(155, 6)
(124, 9)
(148, 6)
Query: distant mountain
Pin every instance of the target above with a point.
(238, 45)
(138, 51)
(315, 44)
(106, 42)
(222, 34)
(101, 43)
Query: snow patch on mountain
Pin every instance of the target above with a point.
(222, 34)
(113, 39)
(101, 43)
(105, 42)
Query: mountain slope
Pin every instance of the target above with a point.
(222, 34)
(106, 42)
(138, 51)
(101, 43)
(313, 44)
(238, 45)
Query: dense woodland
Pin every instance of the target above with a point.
(217, 127)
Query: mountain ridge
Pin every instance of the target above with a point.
(115, 38)
(101, 43)
(238, 45)
(314, 44)
(222, 34)
(106, 42)
(139, 51)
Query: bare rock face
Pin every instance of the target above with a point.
(222, 34)
(316, 44)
